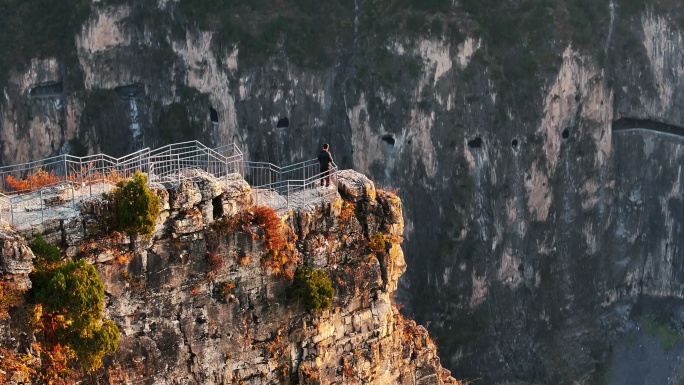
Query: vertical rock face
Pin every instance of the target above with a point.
(197, 303)
(530, 225)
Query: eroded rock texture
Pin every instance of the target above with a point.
(531, 227)
(179, 327)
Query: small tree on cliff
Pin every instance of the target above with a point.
(134, 207)
(313, 288)
(70, 297)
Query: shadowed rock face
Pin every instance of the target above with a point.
(178, 322)
(525, 252)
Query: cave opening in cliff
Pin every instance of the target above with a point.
(642, 124)
(565, 134)
(50, 89)
(389, 139)
(514, 143)
(217, 207)
(475, 143)
(283, 123)
(129, 91)
(213, 115)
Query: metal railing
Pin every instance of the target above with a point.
(31, 193)
(176, 161)
(293, 185)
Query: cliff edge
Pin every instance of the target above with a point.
(204, 300)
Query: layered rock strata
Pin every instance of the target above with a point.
(188, 317)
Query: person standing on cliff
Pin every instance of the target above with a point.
(326, 160)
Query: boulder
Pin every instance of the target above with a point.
(354, 186)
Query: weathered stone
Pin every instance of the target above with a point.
(163, 194)
(17, 257)
(208, 185)
(184, 197)
(355, 186)
(168, 294)
(190, 221)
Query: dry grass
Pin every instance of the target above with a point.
(347, 213)
(124, 258)
(10, 296)
(226, 288)
(377, 242)
(242, 259)
(280, 257)
(387, 189)
(33, 180)
(88, 175)
(40, 177)
(215, 261)
(135, 284)
(15, 365)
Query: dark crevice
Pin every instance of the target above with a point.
(389, 139)
(213, 115)
(475, 143)
(565, 134)
(514, 143)
(46, 90)
(630, 124)
(217, 206)
(130, 91)
(283, 123)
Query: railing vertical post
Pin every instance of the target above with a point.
(90, 184)
(288, 194)
(42, 213)
(179, 168)
(12, 211)
(73, 198)
(66, 173)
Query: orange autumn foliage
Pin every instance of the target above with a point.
(33, 180)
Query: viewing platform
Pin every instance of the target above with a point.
(57, 187)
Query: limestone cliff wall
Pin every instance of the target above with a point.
(177, 327)
(526, 249)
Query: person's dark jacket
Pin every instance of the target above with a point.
(325, 159)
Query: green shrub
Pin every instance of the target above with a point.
(45, 252)
(377, 242)
(313, 288)
(134, 207)
(71, 295)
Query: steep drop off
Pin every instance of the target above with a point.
(531, 227)
(203, 302)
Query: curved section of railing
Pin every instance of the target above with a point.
(293, 185)
(31, 193)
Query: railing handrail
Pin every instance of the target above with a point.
(83, 173)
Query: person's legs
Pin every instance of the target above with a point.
(323, 172)
(326, 177)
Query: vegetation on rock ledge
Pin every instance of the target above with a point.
(279, 256)
(313, 288)
(134, 207)
(69, 303)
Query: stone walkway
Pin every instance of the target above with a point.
(63, 202)
(60, 202)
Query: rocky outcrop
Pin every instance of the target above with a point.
(547, 217)
(199, 303)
